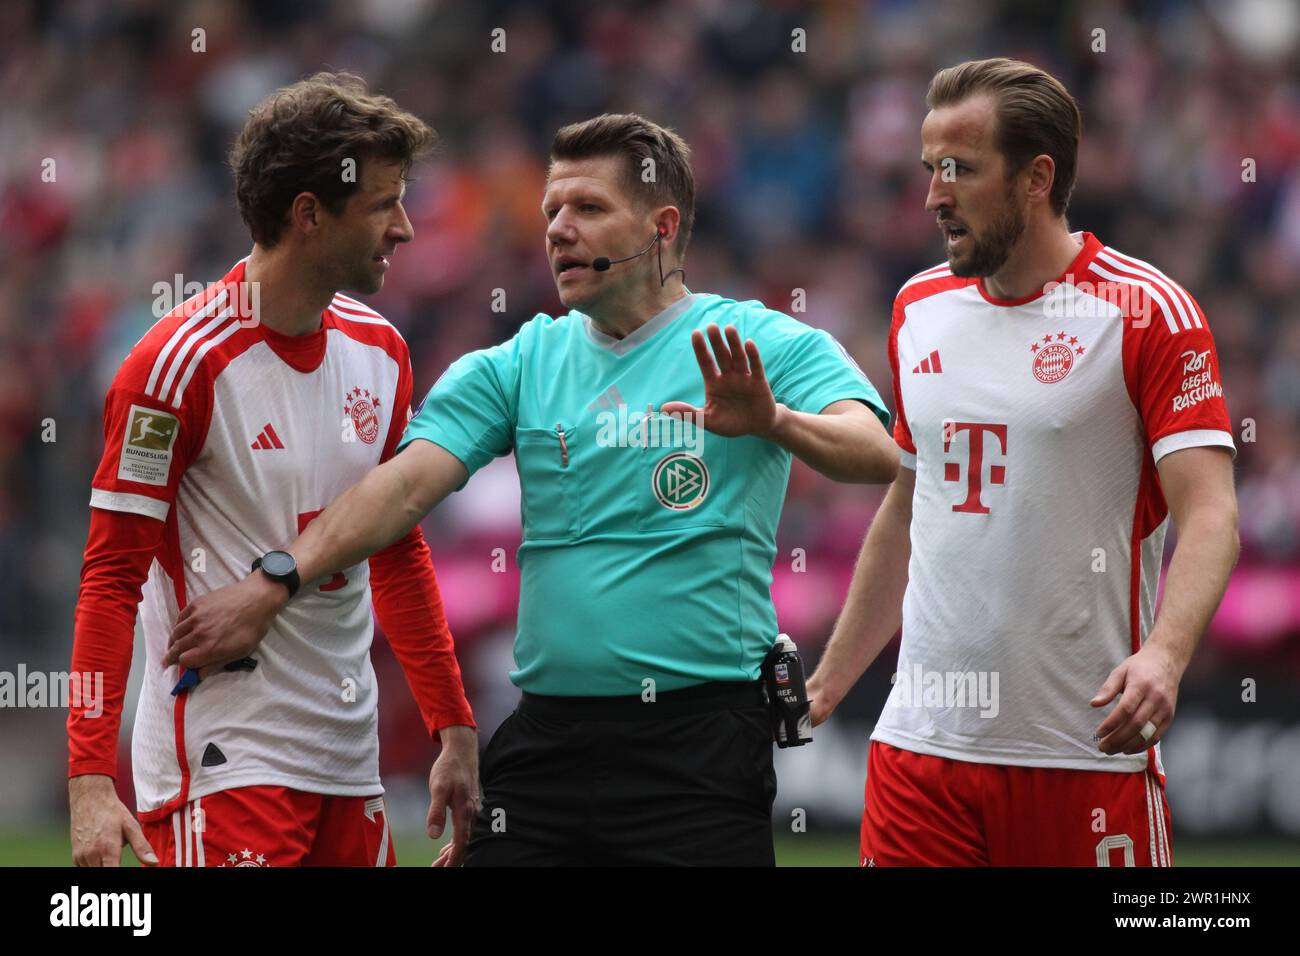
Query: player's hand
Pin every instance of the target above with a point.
(453, 782)
(102, 825)
(449, 852)
(821, 702)
(1147, 687)
(737, 397)
(225, 625)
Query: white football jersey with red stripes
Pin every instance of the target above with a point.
(1034, 427)
(236, 436)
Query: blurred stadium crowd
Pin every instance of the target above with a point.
(808, 179)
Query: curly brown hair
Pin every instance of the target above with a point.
(298, 138)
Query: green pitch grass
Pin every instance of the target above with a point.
(49, 847)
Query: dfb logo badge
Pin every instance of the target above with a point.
(680, 481)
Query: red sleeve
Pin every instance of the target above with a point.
(1172, 371)
(408, 606)
(119, 551)
(902, 433)
(408, 603)
(148, 444)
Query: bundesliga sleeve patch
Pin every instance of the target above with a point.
(147, 446)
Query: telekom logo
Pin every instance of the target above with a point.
(975, 464)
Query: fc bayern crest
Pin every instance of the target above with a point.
(1054, 356)
(364, 410)
(245, 858)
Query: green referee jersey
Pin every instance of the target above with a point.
(648, 543)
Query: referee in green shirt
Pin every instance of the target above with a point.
(652, 429)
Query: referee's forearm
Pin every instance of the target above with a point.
(375, 512)
(847, 446)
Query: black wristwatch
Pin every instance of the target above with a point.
(280, 566)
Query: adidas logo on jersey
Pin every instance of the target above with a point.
(267, 439)
(929, 364)
(610, 399)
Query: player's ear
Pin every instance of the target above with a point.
(1042, 173)
(304, 212)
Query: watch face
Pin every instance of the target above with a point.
(278, 564)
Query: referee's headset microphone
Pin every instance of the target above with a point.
(602, 263)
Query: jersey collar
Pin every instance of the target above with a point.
(302, 353)
(1091, 246)
(629, 342)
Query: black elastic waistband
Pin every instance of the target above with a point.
(696, 699)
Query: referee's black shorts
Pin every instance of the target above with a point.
(686, 780)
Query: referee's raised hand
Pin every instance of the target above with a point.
(737, 398)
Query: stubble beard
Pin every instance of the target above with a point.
(990, 252)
